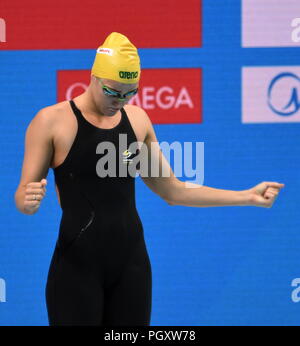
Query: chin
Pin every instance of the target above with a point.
(113, 110)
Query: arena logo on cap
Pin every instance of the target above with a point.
(107, 51)
(128, 75)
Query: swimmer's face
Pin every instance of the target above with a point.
(107, 94)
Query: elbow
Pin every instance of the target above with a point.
(16, 199)
(168, 198)
(172, 197)
(170, 201)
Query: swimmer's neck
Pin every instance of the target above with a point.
(87, 105)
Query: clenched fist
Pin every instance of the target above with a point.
(265, 194)
(34, 193)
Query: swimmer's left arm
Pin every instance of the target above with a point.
(176, 192)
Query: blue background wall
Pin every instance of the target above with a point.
(211, 266)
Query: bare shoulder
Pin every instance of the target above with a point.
(138, 115)
(48, 119)
(51, 113)
(140, 121)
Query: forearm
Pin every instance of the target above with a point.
(204, 196)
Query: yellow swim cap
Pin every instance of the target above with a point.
(117, 59)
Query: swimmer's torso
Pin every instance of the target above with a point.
(100, 261)
(96, 183)
(65, 127)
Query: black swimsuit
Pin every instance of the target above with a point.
(100, 273)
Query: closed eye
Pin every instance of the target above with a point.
(111, 92)
(132, 92)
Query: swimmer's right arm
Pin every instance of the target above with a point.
(37, 159)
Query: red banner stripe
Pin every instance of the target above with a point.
(53, 24)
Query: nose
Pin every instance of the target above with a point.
(117, 103)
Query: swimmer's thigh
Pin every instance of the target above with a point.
(74, 297)
(128, 302)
